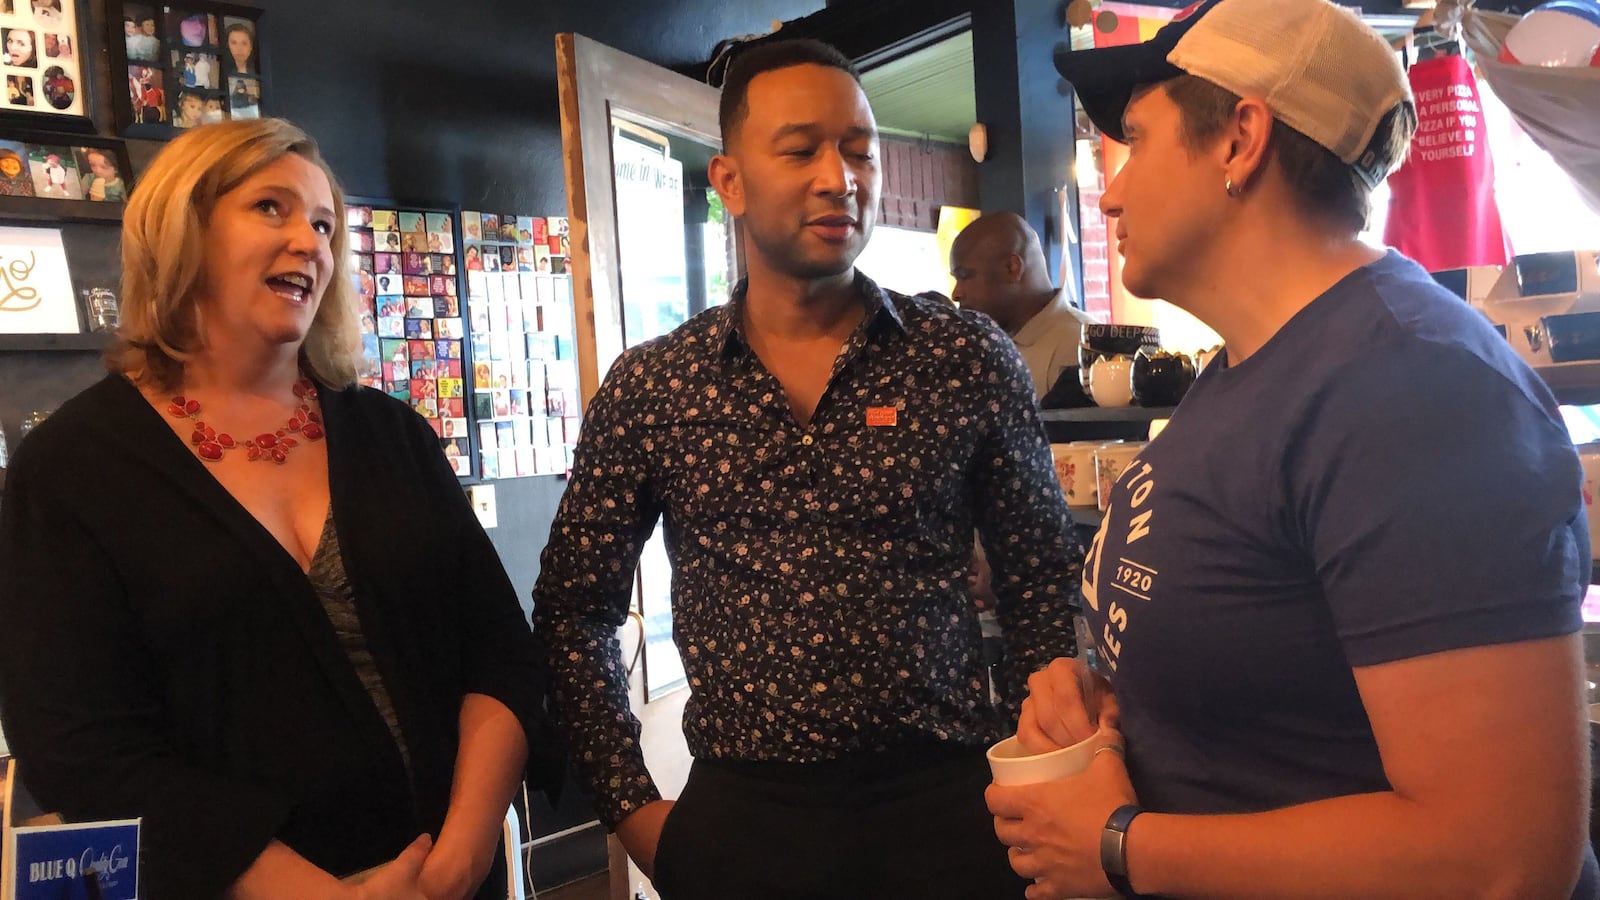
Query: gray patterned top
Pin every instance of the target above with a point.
(333, 588)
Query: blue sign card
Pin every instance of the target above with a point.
(87, 861)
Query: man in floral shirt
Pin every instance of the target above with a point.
(821, 450)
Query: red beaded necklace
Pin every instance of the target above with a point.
(273, 445)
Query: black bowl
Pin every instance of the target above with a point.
(1161, 379)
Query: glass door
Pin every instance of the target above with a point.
(651, 244)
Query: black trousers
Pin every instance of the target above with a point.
(882, 827)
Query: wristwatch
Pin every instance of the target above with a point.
(1114, 850)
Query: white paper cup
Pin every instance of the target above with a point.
(1012, 765)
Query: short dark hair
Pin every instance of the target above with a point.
(768, 56)
(1323, 185)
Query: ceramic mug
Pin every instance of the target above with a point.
(1075, 471)
(1161, 378)
(1571, 337)
(1109, 462)
(1010, 764)
(1111, 381)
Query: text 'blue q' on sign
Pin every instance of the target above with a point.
(86, 861)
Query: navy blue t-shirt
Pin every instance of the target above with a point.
(1383, 479)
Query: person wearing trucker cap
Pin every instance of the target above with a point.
(1335, 604)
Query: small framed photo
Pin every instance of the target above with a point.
(188, 64)
(55, 173)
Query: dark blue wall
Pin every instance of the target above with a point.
(455, 100)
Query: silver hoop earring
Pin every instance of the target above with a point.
(1227, 186)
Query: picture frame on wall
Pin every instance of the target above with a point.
(36, 283)
(45, 64)
(187, 63)
(78, 168)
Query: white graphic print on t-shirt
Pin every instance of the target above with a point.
(1129, 577)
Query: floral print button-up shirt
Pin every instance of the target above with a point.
(819, 588)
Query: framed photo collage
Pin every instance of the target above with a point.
(43, 62)
(187, 64)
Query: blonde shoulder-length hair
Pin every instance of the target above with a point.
(163, 253)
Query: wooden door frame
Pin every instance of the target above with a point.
(594, 81)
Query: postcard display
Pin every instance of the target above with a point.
(404, 267)
(524, 358)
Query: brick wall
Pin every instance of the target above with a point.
(921, 176)
(1096, 247)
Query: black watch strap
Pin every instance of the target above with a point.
(1114, 850)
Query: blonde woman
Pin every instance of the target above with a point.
(214, 615)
